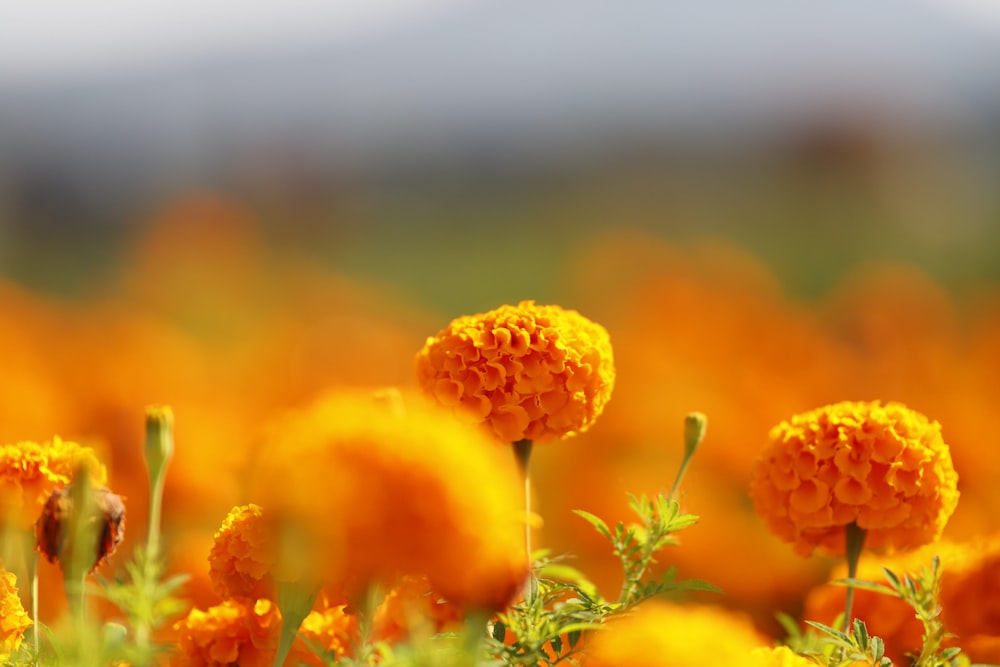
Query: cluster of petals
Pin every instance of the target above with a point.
(411, 608)
(523, 372)
(969, 597)
(31, 471)
(884, 467)
(243, 556)
(659, 634)
(13, 619)
(382, 489)
(246, 633)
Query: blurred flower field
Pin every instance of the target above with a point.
(265, 358)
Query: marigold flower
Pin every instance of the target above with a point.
(524, 372)
(332, 630)
(665, 635)
(969, 598)
(13, 619)
(30, 471)
(243, 556)
(229, 633)
(884, 467)
(54, 530)
(411, 606)
(383, 492)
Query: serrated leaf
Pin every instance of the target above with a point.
(833, 632)
(893, 579)
(595, 521)
(878, 648)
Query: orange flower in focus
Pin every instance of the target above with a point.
(13, 619)
(969, 597)
(380, 490)
(884, 467)
(662, 635)
(331, 630)
(30, 472)
(243, 556)
(412, 607)
(525, 372)
(229, 633)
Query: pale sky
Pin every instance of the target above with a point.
(40, 39)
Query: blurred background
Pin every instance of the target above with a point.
(770, 205)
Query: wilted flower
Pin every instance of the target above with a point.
(659, 634)
(243, 556)
(526, 371)
(13, 619)
(883, 467)
(30, 472)
(56, 527)
(379, 492)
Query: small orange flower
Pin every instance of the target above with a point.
(243, 556)
(411, 606)
(525, 371)
(884, 467)
(30, 472)
(229, 633)
(13, 619)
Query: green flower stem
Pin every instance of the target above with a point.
(33, 577)
(522, 454)
(855, 537)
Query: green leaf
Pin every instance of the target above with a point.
(893, 579)
(499, 631)
(861, 634)
(573, 638)
(595, 521)
(878, 648)
(789, 624)
(833, 632)
(866, 585)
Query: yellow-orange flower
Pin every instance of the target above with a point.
(383, 490)
(411, 606)
(331, 630)
(781, 656)
(229, 633)
(524, 372)
(969, 598)
(885, 467)
(664, 635)
(13, 619)
(243, 556)
(30, 471)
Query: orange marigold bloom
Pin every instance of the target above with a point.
(664, 635)
(524, 372)
(385, 490)
(30, 471)
(243, 556)
(969, 598)
(331, 630)
(884, 467)
(13, 619)
(411, 606)
(229, 633)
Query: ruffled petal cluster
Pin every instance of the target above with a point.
(14, 620)
(229, 633)
(884, 467)
(243, 556)
(31, 471)
(524, 372)
(379, 490)
(659, 634)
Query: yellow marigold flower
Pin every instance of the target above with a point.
(13, 619)
(969, 598)
(884, 467)
(243, 556)
(664, 635)
(524, 372)
(30, 471)
(229, 633)
(332, 630)
(384, 491)
(782, 656)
